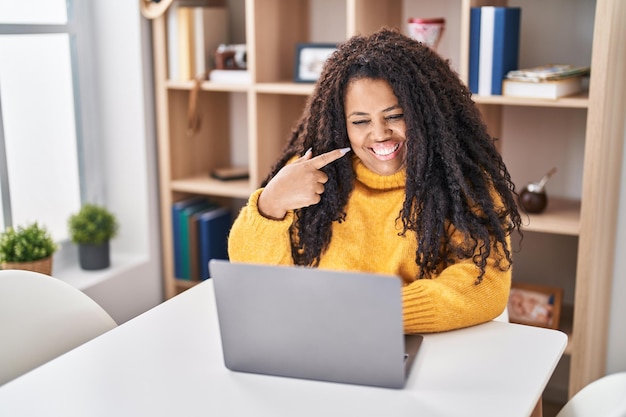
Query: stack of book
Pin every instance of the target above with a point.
(195, 28)
(199, 232)
(548, 81)
(494, 47)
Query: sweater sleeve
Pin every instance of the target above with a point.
(254, 238)
(453, 299)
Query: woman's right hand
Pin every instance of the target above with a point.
(296, 185)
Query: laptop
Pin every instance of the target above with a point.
(311, 323)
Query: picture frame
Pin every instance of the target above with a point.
(310, 59)
(535, 305)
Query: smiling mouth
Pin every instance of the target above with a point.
(385, 149)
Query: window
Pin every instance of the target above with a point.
(42, 146)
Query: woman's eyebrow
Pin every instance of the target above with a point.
(361, 113)
(358, 113)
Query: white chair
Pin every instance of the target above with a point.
(42, 317)
(604, 397)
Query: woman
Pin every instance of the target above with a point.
(423, 194)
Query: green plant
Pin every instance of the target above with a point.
(26, 244)
(93, 224)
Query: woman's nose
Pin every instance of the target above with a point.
(380, 131)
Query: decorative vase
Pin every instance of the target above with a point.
(94, 257)
(43, 266)
(428, 31)
(533, 197)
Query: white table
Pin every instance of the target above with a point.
(168, 362)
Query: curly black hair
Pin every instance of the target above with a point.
(455, 175)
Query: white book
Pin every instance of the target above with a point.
(485, 60)
(200, 57)
(180, 54)
(173, 70)
(542, 89)
(230, 76)
(549, 72)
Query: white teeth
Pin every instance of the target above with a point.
(383, 151)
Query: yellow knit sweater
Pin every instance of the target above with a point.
(368, 241)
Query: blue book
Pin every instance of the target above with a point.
(194, 242)
(505, 45)
(177, 209)
(498, 46)
(474, 49)
(213, 229)
(185, 244)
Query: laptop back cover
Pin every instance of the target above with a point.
(310, 323)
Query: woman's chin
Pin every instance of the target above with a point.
(385, 168)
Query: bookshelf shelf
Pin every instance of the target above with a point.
(562, 216)
(272, 103)
(208, 86)
(204, 185)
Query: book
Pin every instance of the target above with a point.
(505, 45)
(194, 31)
(180, 42)
(213, 229)
(231, 76)
(548, 72)
(485, 56)
(173, 72)
(185, 40)
(194, 263)
(185, 241)
(177, 209)
(194, 242)
(200, 58)
(474, 49)
(230, 173)
(494, 47)
(544, 89)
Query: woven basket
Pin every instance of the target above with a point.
(43, 266)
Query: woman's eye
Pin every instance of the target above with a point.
(395, 116)
(360, 122)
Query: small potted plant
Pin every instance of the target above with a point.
(27, 247)
(91, 229)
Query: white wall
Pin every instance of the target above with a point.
(123, 97)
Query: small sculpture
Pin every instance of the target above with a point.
(231, 57)
(533, 197)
